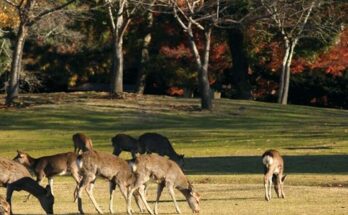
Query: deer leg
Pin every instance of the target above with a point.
(9, 193)
(112, 191)
(50, 182)
(83, 183)
(281, 178)
(137, 198)
(159, 192)
(89, 190)
(138, 184)
(268, 183)
(172, 194)
(76, 176)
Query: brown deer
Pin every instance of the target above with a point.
(16, 177)
(50, 166)
(166, 173)
(274, 170)
(82, 143)
(124, 142)
(108, 166)
(153, 142)
(5, 208)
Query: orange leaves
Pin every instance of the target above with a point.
(8, 17)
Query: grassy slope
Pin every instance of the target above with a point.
(222, 147)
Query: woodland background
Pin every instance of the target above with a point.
(72, 49)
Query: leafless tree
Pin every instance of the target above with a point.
(29, 12)
(194, 16)
(295, 20)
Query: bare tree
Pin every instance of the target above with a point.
(191, 16)
(295, 20)
(145, 54)
(120, 15)
(29, 12)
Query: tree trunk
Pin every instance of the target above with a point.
(238, 74)
(16, 65)
(117, 67)
(286, 72)
(118, 30)
(145, 57)
(204, 87)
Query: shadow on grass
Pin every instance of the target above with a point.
(325, 164)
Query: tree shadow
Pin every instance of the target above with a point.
(325, 164)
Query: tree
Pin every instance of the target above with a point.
(120, 14)
(29, 12)
(295, 20)
(145, 54)
(195, 16)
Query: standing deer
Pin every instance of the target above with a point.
(124, 142)
(153, 142)
(5, 208)
(82, 143)
(114, 169)
(166, 173)
(16, 177)
(50, 166)
(274, 170)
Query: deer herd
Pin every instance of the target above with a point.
(132, 177)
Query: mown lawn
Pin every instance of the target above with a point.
(222, 148)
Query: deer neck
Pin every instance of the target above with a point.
(28, 184)
(32, 162)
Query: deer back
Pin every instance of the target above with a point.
(126, 143)
(160, 168)
(11, 171)
(153, 142)
(82, 141)
(272, 158)
(51, 165)
(104, 164)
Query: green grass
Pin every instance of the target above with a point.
(222, 148)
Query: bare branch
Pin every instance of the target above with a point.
(49, 11)
(11, 3)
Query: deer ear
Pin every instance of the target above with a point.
(284, 177)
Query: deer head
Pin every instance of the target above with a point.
(47, 200)
(22, 158)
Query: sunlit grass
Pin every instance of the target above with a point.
(222, 148)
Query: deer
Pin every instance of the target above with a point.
(82, 143)
(16, 177)
(5, 208)
(273, 173)
(124, 142)
(166, 173)
(153, 142)
(108, 166)
(50, 166)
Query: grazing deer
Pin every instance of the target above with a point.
(124, 142)
(153, 142)
(16, 177)
(50, 166)
(5, 208)
(166, 173)
(82, 143)
(108, 166)
(274, 170)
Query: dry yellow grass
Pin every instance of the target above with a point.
(216, 199)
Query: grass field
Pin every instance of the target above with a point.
(222, 148)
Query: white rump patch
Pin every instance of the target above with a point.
(267, 161)
(63, 172)
(133, 166)
(79, 163)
